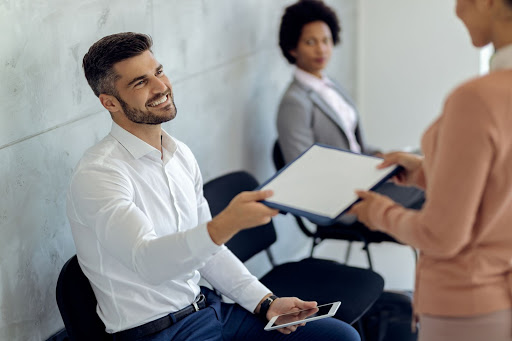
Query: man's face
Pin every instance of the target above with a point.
(144, 91)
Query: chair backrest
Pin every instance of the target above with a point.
(277, 156)
(77, 304)
(219, 192)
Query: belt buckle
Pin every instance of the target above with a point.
(199, 299)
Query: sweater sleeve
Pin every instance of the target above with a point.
(456, 170)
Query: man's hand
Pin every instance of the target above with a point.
(243, 212)
(285, 305)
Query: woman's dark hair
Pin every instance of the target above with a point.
(300, 14)
(98, 62)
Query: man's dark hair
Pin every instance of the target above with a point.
(300, 14)
(99, 61)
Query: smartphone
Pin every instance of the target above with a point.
(303, 316)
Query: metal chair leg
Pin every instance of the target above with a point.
(316, 241)
(347, 253)
(367, 250)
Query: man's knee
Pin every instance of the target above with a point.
(329, 329)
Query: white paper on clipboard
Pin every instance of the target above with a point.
(322, 181)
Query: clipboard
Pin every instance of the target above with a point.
(319, 184)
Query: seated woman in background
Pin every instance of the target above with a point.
(314, 109)
(464, 274)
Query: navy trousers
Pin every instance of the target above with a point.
(222, 321)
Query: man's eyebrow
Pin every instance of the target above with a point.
(136, 79)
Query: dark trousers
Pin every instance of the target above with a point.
(222, 321)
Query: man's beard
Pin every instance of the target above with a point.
(146, 116)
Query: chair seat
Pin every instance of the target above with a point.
(326, 281)
(353, 232)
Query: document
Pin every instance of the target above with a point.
(320, 184)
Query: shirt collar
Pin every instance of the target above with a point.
(137, 147)
(502, 59)
(312, 81)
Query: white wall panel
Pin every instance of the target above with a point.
(411, 54)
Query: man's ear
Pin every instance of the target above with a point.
(110, 103)
(293, 53)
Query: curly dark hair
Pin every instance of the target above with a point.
(98, 62)
(300, 14)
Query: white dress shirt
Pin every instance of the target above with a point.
(502, 59)
(139, 226)
(326, 89)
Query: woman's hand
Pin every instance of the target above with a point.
(411, 163)
(370, 201)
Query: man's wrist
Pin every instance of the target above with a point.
(219, 231)
(265, 306)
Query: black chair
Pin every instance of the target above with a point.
(77, 305)
(353, 230)
(309, 279)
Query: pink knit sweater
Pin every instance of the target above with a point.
(464, 231)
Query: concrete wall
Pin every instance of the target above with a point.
(227, 73)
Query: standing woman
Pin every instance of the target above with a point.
(464, 231)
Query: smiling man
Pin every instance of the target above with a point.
(142, 227)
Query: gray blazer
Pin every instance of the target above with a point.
(304, 118)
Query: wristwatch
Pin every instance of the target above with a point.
(265, 305)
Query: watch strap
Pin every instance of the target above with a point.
(265, 305)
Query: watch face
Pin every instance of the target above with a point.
(270, 299)
(265, 305)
